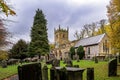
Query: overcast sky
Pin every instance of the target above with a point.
(67, 13)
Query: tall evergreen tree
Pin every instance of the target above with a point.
(39, 39)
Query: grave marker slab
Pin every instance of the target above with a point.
(30, 72)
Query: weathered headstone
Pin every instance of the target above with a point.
(56, 63)
(64, 61)
(77, 66)
(13, 61)
(112, 67)
(4, 64)
(96, 60)
(45, 72)
(63, 74)
(69, 63)
(90, 73)
(75, 57)
(119, 58)
(49, 61)
(69, 73)
(30, 72)
(78, 60)
(53, 73)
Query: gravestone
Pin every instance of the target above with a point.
(53, 73)
(112, 67)
(45, 72)
(49, 61)
(119, 58)
(78, 60)
(65, 60)
(13, 61)
(90, 73)
(56, 63)
(77, 66)
(63, 74)
(69, 63)
(75, 57)
(4, 64)
(96, 59)
(30, 72)
(69, 73)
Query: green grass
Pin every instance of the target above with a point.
(9, 71)
(100, 70)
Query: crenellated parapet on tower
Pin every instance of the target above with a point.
(61, 37)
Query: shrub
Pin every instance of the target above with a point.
(80, 52)
(72, 52)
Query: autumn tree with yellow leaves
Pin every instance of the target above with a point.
(4, 8)
(113, 13)
(3, 55)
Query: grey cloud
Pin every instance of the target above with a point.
(56, 12)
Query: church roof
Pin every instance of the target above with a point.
(90, 40)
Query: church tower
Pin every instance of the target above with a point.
(61, 37)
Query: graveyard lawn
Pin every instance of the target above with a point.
(100, 70)
(7, 72)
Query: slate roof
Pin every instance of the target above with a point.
(90, 40)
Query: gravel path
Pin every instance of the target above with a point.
(15, 77)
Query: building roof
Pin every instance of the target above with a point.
(90, 40)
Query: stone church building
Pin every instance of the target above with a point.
(62, 43)
(98, 46)
(94, 46)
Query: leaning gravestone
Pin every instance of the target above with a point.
(112, 67)
(30, 72)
